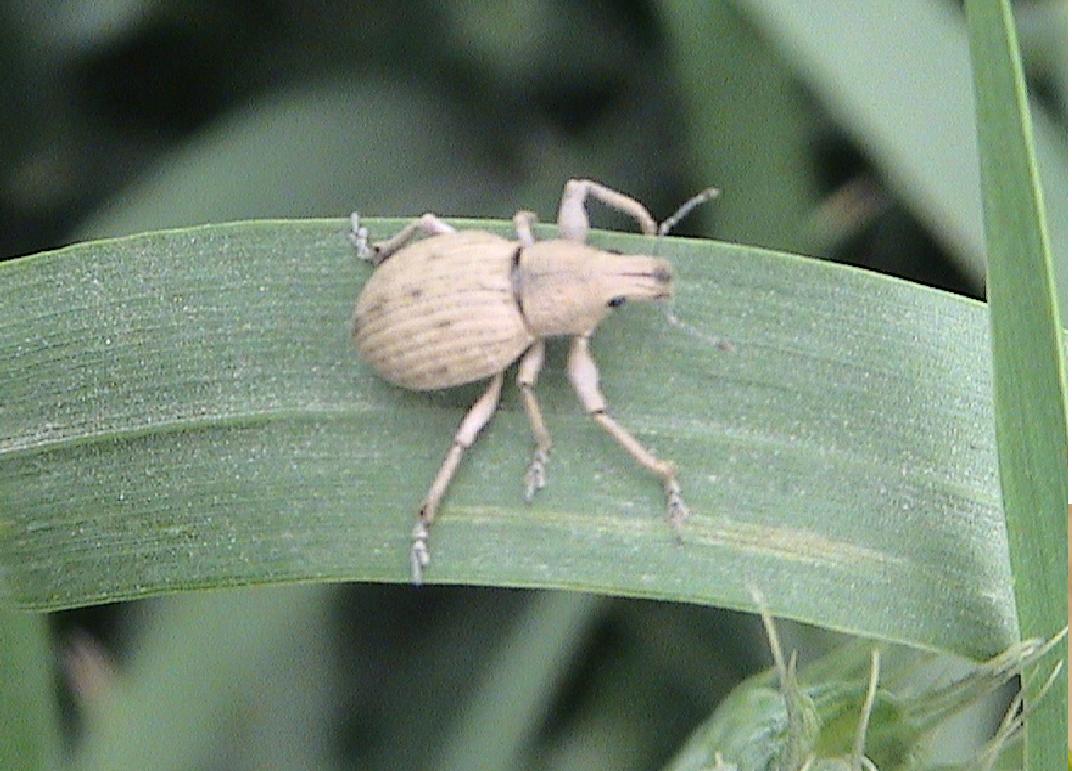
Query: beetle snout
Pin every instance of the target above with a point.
(645, 278)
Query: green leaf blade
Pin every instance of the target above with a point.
(1029, 368)
(30, 731)
(187, 411)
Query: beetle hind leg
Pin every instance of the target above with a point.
(428, 224)
(527, 373)
(475, 419)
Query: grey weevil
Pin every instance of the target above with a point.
(457, 307)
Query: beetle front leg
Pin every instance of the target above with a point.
(475, 419)
(573, 219)
(428, 224)
(527, 373)
(584, 376)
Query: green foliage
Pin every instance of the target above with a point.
(777, 722)
(207, 424)
(29, 717)
(178, 428)
(1029, 367)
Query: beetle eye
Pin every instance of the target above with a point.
(615, 302)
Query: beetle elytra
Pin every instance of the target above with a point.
(457, 307)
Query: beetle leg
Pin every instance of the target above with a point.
(523, 222)
(428, 224)
(527, 373)
(584, 376)
(358, 236)
(475, 419)
(573, 219)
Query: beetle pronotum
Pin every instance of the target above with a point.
(457, 307)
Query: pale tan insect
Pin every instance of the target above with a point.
(457, 307)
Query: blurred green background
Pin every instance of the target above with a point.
(835, 129)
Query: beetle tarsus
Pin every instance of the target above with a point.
(358, 236)
(536, 476)
(419, 556)
(676, 510)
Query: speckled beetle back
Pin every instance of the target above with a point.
(442, 312)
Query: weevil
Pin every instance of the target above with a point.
(458, 307)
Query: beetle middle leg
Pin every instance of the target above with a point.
(527, 373)
(475, 419)
(573, 219)
(584, 376)
(523, 222)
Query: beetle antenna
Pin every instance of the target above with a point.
(686, 208)
(664, 227)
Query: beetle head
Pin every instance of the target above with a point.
(566, 288)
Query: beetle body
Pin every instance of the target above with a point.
(456, 307)
(460, 307)
(441, 312)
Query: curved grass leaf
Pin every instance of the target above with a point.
(494, 725)
(906, 97)
(183, 409)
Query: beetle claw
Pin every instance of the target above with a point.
(419, 556)
(536, 476)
